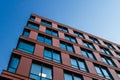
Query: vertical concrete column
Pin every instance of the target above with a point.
(91, 67)
(113, 73)
(37, 19)
(79, 41)
(61, 35)
(54, 25)
(65, 59)
(98, 57)
(56, 42)
(70, 31)
(39, 50)
(77, 49)
(42, 28)
(86, 36)
(24, 66)
(116, 62)
(97, 47)
(87, 78)
(33, 35)
(58, 74)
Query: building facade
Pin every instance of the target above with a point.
(48, 50)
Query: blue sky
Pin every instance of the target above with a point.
(98, 17)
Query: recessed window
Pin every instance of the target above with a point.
(32, 18)
(46, 23)
(118, 73)
(33, 26)
(72, 76)
(62, 28)
(79, 34)
(52, 55)
(70, 38)
(44, 39)
(66, 46)
(108, 60)
(103, 72)
(26, 46)
(118, 54)
(89, 45)
(78, 64)
(26, 33)
(40, 72)
(106, 51)
(13, 64)
(87, 53)
(52, 32)
(109, 45)
(94, 40)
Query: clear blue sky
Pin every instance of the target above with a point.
(98, 17)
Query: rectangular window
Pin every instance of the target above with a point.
(89, 45)
(94, 40)
(46, 23)
(62, 28)
(88, 53)
(118, 73)
(52, 55)
(106, 51)
(78, 64)
(66, 46)
(26, 46)
(13, 64)
(118, 54)
(109, 45)
(32, 18)
(72, 76)
(40, 72)
(102, 71)
(108, 60)
(52, 32)
(70, 38)
(33, 26)
(79, 34)
(26, 33)
(44, 39)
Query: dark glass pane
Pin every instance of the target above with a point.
(26, 33)
(105, 72)
(56, 57)
(26, 47)
(67, 77)
(46, 72)
(76, 34)
(62, 45)
(40, 38)
(46, 23)
(67, 37)
(48, 31)
(104, 60)
(32, 18)
(48, 54)
(14, 62)
(54, 33)
(73, 40)
(34, 26)
(48, 40)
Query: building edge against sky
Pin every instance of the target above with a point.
(48, 50)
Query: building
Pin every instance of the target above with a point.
(48, 50)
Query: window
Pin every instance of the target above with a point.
(72, 76)
(46, 23)
(78, 64)
(44, 39)
(66, 46)
(62, 28)
(51, 32)
(79, 34)
(118, 73)
(26, 33)
(109, 45)
(40, 72)
(102, 71)
(32, 18)
(26, 46)
(87, 53)
(106, 51)
(52, 55)
(70, 38)
(13, 64)
(33, 26)
(108, 60)
(89, 45)
(94, 40)
(118, 54)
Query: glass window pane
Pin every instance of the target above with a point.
(26, 47)
(98, 71)
(48, 54)
(110, 62)
(67, 76)
(67, 37)
(56, 57)
(46, 23)
(73, 40)
(105, 73)
(26, 33)
(74, 63)
(14, 62)
(84, 53)
(82, 65)
(48, 40)
(77, 78)
(36, 69)
(90, 55)
(62, 45)
(70, 48)
(48, 31)
(47, 72)
(11, 69)
(54, 33)
(34, 26)
(36, 77)
(40, 38)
